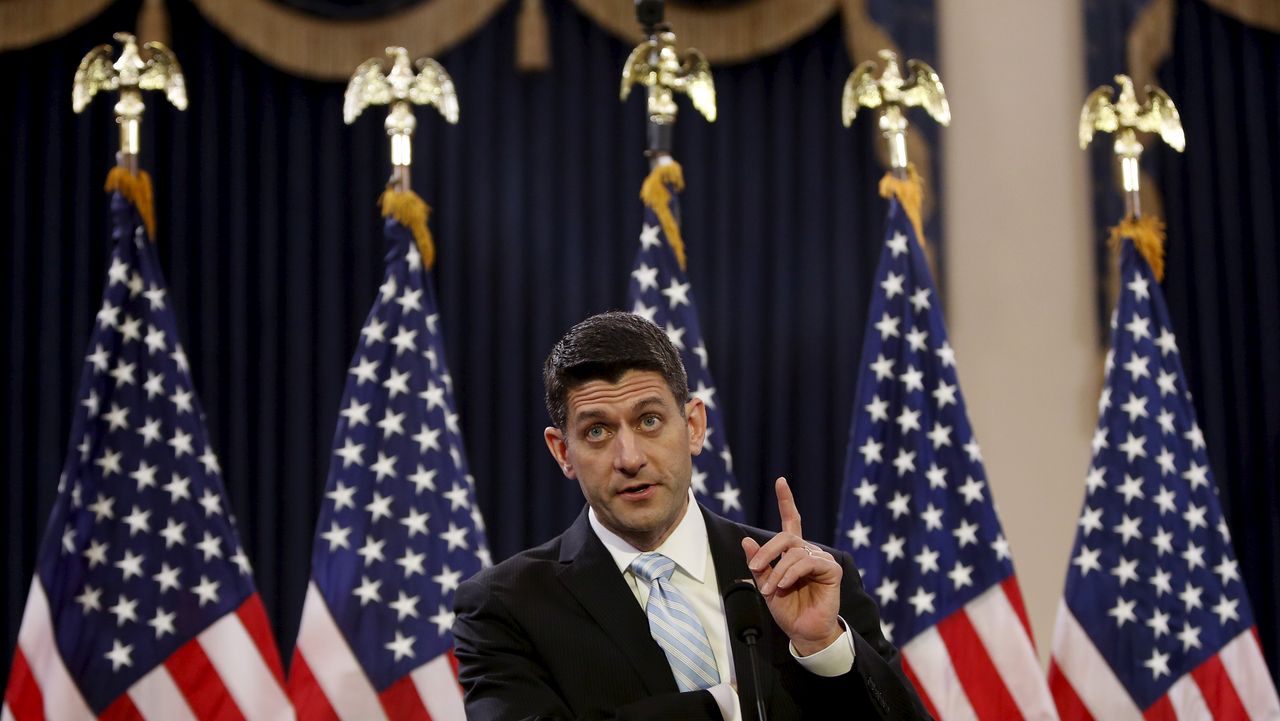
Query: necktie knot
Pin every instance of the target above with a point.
(649, 567)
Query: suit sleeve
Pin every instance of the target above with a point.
(505, 679)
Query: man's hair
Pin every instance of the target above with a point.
(604, 347)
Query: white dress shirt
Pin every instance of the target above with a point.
(695, 577)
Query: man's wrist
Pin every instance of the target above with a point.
(808, 648)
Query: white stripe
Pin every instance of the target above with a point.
(439, 690)
(1187, 701)
(931, 663)
(62, 699)
(157, 697)
(1007, 644)
(5, 713)
(244, 672)
(1090, 675)
(1242, 659)
(332, 663)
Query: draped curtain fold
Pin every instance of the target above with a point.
(269, 237)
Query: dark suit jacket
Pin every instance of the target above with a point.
(556, 633)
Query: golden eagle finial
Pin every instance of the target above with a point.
(921, 88)
(400, 88)
(1126, 118)
(656, 65)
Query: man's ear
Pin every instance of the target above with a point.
(695, 414)
(559, 451)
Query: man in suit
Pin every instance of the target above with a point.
(620, 617)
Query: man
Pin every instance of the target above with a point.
(621, 617)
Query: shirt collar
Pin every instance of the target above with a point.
(687, 544)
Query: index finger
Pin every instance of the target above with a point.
(787, 508)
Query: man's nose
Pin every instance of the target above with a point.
(628, 456)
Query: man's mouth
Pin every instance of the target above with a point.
(636, 490)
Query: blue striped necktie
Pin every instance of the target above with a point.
(674, 625)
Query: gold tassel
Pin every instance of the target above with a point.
(411, 211)
(1147, 234)
(657, 196)
(533, 41)
(153, 22)
(910, 194)
(137, 190)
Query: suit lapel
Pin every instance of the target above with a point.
(591, 575)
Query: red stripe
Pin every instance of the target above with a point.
(1161, 710)
(23, 693)
(122, 709)
(453, 664)
(978, 676)
(1014, 593)
(401, 701)
(308, 698)
(1070, 707)
(254, 618)
(201, 685)
(1219, 693)
(911, 676)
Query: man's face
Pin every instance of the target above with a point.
(631, 450)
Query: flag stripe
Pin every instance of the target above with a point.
(1011, 653)
(23, 693)
(254, 617)
(937, 675)
(401, 702)
(1070, 707)
(122, 709)
(1242, 659)
(981, 680)
(198, 680)
(1088, 672)
(438, 686)
(248, 677)
(309, 701)
(157, 697)
(1162, 710)
(1189, 703)
(1217, 689)
(1014, 593)
(924, 697)
(62, 698)
(339, 675)
(7, 715)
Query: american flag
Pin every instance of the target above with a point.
(917, 512)
(1154, 622)
(660, 291)
(142, 605)
(399, 527)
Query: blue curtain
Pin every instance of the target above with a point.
(270, 238)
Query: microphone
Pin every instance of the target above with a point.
(744, 613)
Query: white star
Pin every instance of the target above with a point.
(155, 341)
(971, 490)
(916, 339)
(451, 422)
(1128, 528)
(1197, 475)
(337, 536)
(1195, 436)
(365, 371)
(167, 578)
(888, 326)
(974, 450)
(125, 609)
(423, 478)
(402, 646)
(1131, 488)
(932, 517)
(210, 502)
(1139, 287)
(1168, 344)
(859, 535)
(391, 424)
(928, 560)
(700, 350)
(131, 329)
(404, 606)
(1168, 383)
(207, 590)
(1125, 570)
(1001, 547)
(961, 575)
(897, 244)
(1122, 612)
(397, 383)
(91, 404)
(706, 394)
(90, 599)
(371, 550)
(210, 462)
(1194, 516)
(677, 294)
(1096, 479)
(1158, 663)
(946, 355)
(1226, 610)
(443, 620)
(379, 507)
(367, 591)
(356, 413)
(892, 284)
(937, 476)
(676, 336)
(101, 508)
(940, 435)
(155, 296)
(137, 521)
(646, 276)
(1161, 580)
(415, 522)
(1087, 560)
(179, 357)
(912, 379)
(1134, 446)
(922, 601)
(410, 300)
(456, 537)
(1228, 569)
(1223, 530)
(878, 409)
(1194, 556)
(1090, 520)
(893, 548)
(145, 476)
(109, 462)
(908, 420)
(728, 497)
(117, 418)
(870, 451)
(648, 312)
(181, 400)
(698, 479)
(242, 562)
(404, 340)
(1136, 407)
(210, 546)
(162, 622)
(1190, 596)
(1139, 326)
(1189, 636)
(386, 466)
(387, 290)
(899, 504)
(181, 443)
(448, 580)
(1165, 460)
(887, 590)
(882, 367)
(1158, 623)
(411, 562)
(920, 299)
(119, 655)
(1099, 440)
(649, 236)
(966, 533)
(99, 359)
(1137, 367)
(866, 492)
(351, 453)
(342, 495)
(427, 439)
(118, 272)
(1163, 541)
(109, 315)
(945, 393)
(433, 395)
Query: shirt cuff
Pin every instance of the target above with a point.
(834, 660)
(727, 699)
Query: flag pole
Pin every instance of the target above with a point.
(401, 88)
(130, 74)
(1125, 117)
(895, 94)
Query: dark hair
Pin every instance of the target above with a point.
(604, 347)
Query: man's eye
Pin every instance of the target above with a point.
(595, 433)
(650, 422)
